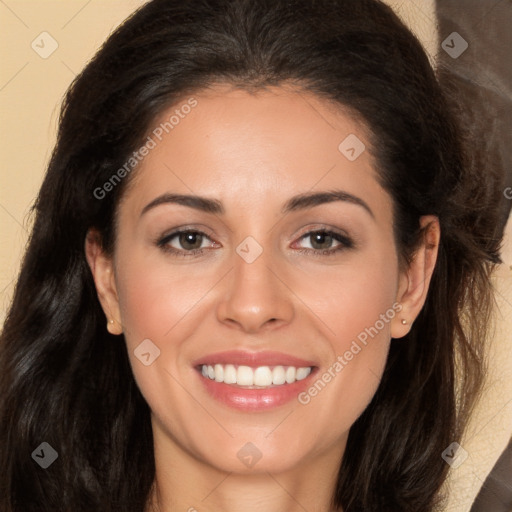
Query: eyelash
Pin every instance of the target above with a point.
(345, 243)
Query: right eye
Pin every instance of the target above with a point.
(191, 242)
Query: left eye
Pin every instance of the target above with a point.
(322, 240)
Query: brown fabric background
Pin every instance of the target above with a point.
(483, 76)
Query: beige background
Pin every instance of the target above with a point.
(31, 88)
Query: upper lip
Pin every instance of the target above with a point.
(254, 359)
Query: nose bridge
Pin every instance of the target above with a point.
(254, 295)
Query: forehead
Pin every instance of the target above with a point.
(232, 144)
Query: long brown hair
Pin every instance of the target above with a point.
(64, 380)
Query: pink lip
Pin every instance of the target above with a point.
(253, 359)
(254, 400)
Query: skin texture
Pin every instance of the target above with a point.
(253, 152)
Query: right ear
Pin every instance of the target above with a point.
(102, 270)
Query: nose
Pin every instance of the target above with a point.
(255, 296)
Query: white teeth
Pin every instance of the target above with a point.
(290, 374)
(219, 373)
(278, 376)
(302, 373)
(229, 374)
(262, 376)
(244, 376)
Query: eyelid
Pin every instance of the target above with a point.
(329, 229)
(196, 228)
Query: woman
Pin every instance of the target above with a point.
(257, 256)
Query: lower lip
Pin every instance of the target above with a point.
(255, 399)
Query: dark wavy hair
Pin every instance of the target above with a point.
(65, 380)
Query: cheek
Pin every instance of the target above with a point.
(354, 295)
(155, 297)
(157, 303)
(363, 323)
(357, 304)
(161, 302)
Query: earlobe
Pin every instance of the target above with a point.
(414, 282)
(114, 327)
(103, 274)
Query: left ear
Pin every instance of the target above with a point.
(414, 282)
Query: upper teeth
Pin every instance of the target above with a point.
(260, 376)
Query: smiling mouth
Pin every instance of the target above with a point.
(260, 377)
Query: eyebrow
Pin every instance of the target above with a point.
(298, 202)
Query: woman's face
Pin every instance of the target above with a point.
(257, 289)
